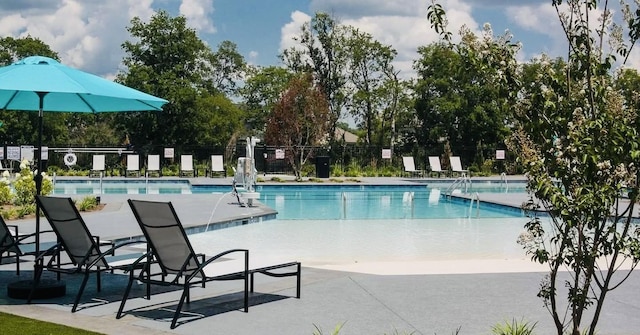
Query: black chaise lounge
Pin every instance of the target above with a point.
(175, 263)
(15, 245)
(81, 248)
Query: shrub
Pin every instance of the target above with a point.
(87, 203)
(25, 185)
(513, 328)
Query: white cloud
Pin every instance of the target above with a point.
(292, 29)
(253, 57)
(86, 35)
(401, 24)
(198, 14)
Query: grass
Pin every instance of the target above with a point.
(13, 324)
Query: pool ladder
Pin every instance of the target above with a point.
(476, 198)
(463, 180)
(344, 205)
(503, 181)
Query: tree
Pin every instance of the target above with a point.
(227, 67)
(167, 59)
(369, 67)
(262, 89)
(299, 121)
(323, 55)
(582, 151)
(464, 93)
(577, 139)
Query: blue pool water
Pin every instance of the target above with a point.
(346, 224)
(324, 202)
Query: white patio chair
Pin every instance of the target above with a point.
(456, 166)
(217, 166)
(410, 167)
(434, 166)
(133, 166)
(97, 169)
(186, 166)
(153, 165)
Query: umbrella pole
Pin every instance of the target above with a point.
(38, 177)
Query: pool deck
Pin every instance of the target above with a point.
(419, 297)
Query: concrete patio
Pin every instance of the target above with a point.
(419, 297)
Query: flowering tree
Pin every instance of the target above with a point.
(576, 134)
(299, 121)
(21, 190)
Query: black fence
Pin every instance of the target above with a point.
(269, 159)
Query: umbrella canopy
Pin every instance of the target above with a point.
(43, 84)
(67, 90)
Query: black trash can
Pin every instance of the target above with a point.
(322, 167)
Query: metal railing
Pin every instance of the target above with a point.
(462, 180)
(476, 198)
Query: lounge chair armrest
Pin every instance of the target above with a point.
(218, 256)
(21, 238)
(51, 251)
(142, 259)
(112, 251)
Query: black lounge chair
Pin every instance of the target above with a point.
(180, 265)
(83, 250)
(15, 245)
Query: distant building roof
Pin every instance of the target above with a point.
(348, 136)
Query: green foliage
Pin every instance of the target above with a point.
(335, 331)
(465, 93)
(299, 121)
(87, 203)
(5, 191)
(188, 74)
(353, 170)
(261, 91)
(514, 328)
(25, 186)
(578, 142)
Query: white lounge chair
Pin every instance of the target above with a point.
(410, 167)
(153, 165)
(217, 166)
(97, 169)
(186, 166)
(456, 166)
(434, 166)
(133, 166)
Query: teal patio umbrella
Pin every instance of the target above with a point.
(43, 84)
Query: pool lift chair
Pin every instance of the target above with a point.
(246, 175)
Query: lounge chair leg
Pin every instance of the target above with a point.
(82, 286)
(126, 295)
(99, 281)
(185, 293)
(298, 281)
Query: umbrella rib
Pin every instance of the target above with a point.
(93, 110)
(10, 100)
(150, 105)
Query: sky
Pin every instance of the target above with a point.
(88, 34)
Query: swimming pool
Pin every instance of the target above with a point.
(345, 224)
(322, 202)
